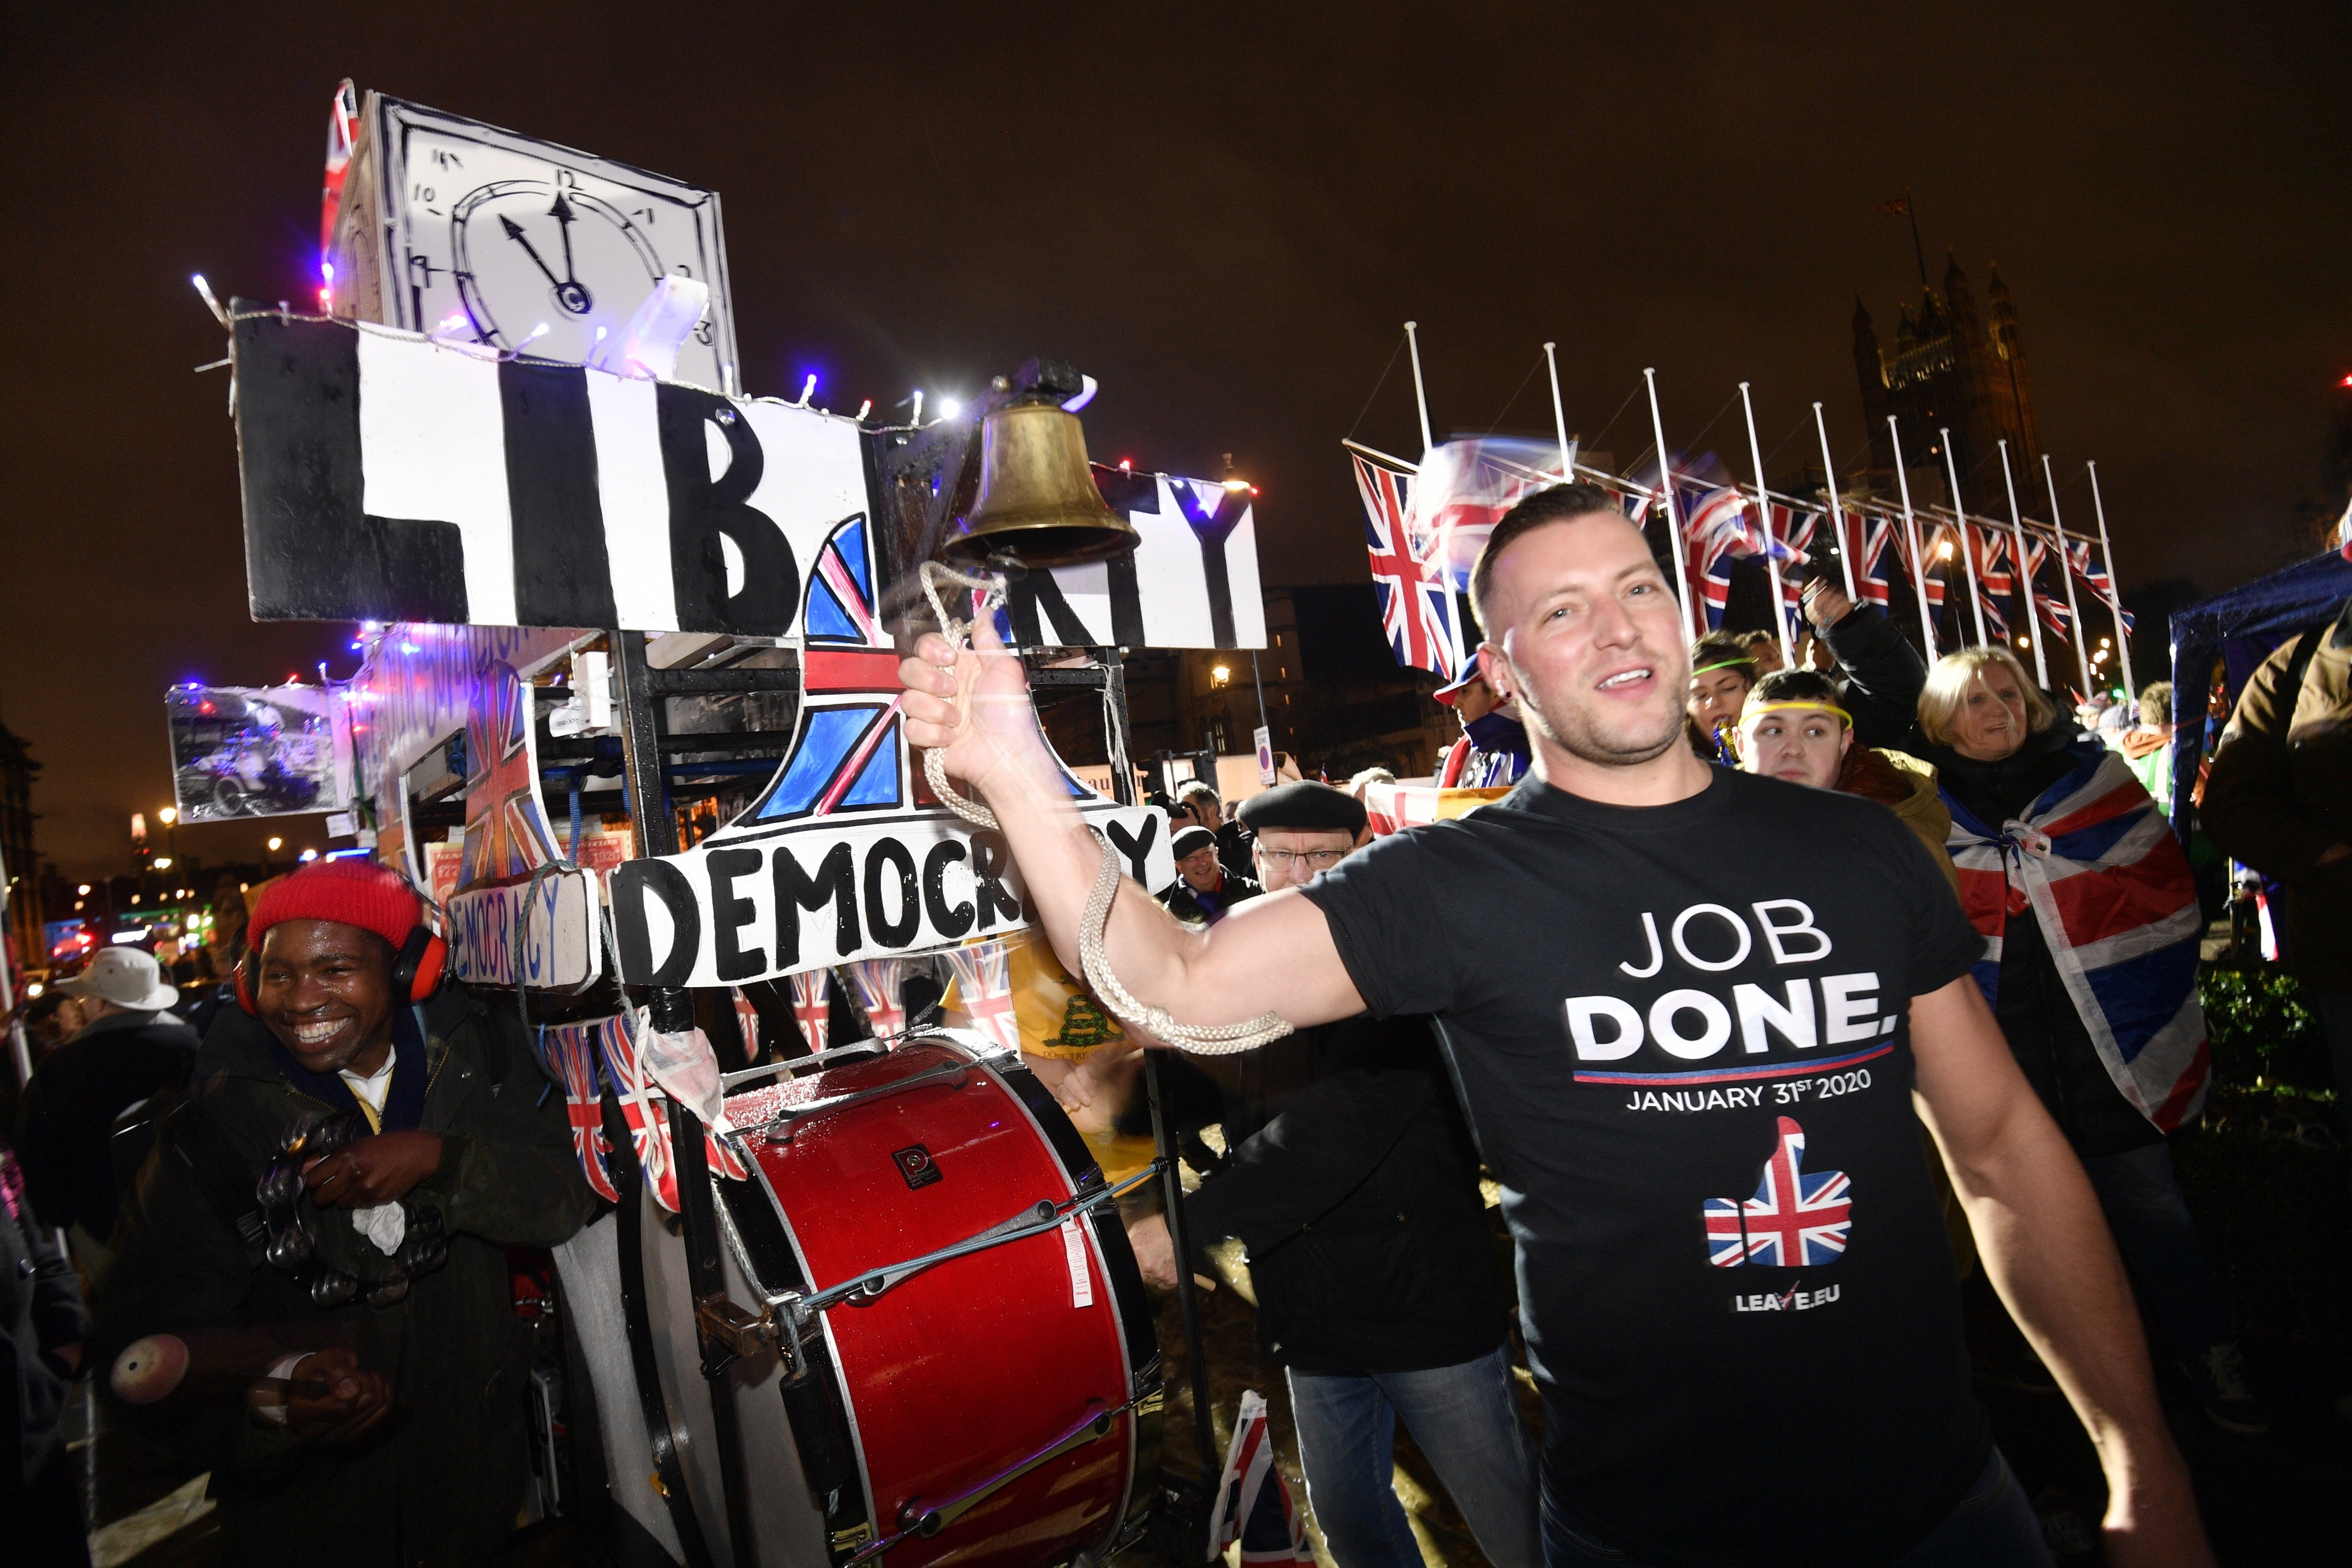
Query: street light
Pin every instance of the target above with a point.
(83, 890)
(276, 845)
(168, 816)
(163, 863)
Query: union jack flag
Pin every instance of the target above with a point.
(1864, 540)
(1796, 1220)
(646, 1110)
(812, 1005)
(1253, 1499)
(1993, 583)
(747, 1019)
(2094, 575)
(506, 833)
(983, 973)
(875, 984)
(849, 751)
(1922, 570)
(1717, 530)
(1416, 601)
(569, 1054)
(2056, 612)
(2098, 864)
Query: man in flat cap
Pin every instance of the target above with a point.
(1203, 890)
(1350, 1179)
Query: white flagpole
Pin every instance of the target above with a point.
(2024, 574)
(2115, 585)
(1420, 393)
(1666, 486)
(1764, 516)
(2066, 572)
(1559, 420)
(1911, 531)
(1968, 545)
(1837, 507)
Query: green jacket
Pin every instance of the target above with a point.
(440, 1482)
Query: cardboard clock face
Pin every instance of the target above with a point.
(489, 234)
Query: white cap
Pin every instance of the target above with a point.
(126, 977)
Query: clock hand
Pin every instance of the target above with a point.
(561, 212)
(514, 232)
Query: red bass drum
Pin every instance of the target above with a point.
(1000, 1408)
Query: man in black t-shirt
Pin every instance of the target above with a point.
(1685, 1010)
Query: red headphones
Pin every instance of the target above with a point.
(415, 973)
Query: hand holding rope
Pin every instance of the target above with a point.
(1209, 1040)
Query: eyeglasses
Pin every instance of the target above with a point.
(1317, 860)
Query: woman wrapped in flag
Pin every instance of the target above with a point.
(2091, 930)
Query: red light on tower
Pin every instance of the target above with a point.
(2345, 382)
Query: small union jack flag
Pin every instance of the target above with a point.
(569, 1053)
(506, 833)
(812, 1005)
(1416, 601)
(645, 1108)
(875, 984)
(1797, 1219)
(983, 972)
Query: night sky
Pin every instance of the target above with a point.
(1224, 214)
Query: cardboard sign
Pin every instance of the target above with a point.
(755, 907)
(391, 478)
(563, 944)
(842, 858)
(1192, 581)
(258, 751)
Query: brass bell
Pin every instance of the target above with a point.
(1037, 500)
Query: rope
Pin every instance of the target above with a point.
(1207, 1040)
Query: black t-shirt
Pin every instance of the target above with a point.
(1661, 1021)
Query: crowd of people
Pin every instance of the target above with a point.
(1772, 993)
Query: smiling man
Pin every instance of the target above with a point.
(411, 1415)
(1685, 1010)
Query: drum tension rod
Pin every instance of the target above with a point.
(1035, 1220)
(920, 1520)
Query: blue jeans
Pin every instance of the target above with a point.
(1465, 1419)
(2158, 1240)
(1993, 1527)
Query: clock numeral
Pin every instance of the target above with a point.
(423, 193)
(566, 180)
(702, 330)
(683, 271)
(646, 214)
(445, 159)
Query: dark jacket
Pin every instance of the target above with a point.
(40, 1312)
(1233, 843)
(2280, 795)
(1204, 907)
(1350, 1179)
(2036, 1014)
(64, 1137)
(1883, 676)
(440, 1482)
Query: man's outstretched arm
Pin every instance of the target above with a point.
(2047, 1251)
(1270, 954)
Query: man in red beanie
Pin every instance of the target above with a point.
(411, 1411)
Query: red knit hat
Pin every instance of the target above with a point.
(356, 893)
